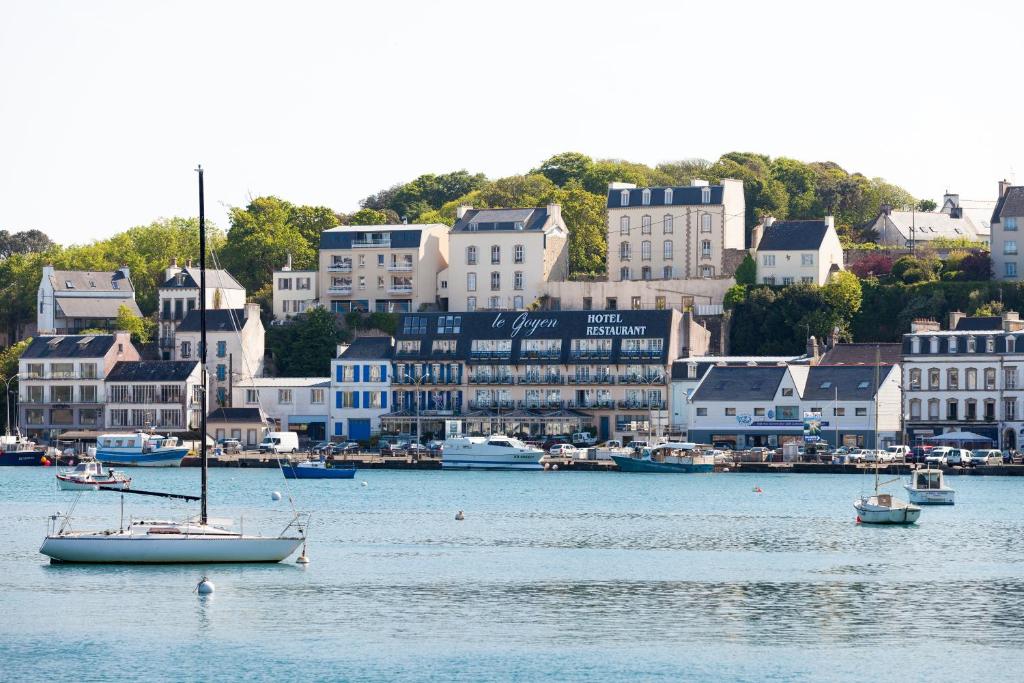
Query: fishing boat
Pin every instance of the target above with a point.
(196, 540)
(928, 487)
(878, 507)
(495, 452)
(317, 469)
(89, 476)
(141, 449)
(17, 450)
(674, 456)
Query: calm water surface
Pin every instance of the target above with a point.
(552, 576)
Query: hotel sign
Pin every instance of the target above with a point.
(598, 325)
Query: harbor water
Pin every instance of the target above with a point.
(559, 576)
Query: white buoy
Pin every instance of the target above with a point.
(555, 467)
(364, 483)
(276, 495)
(725, 469)
(205, 586)
(302, 559)
(459, 516)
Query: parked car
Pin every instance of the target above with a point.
(898, 452)
(320, 447)
(919, 453)
(435, 445)
(937, 455)
(552, 441)
(583, 439)
(724, 445)
(231, 446)
(280, 442)
(856, 455)
(958, 456)
(564, 450)
(873, 455)
(986, 456)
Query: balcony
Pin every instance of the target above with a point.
(400, 267)
(399, 289)
(648, 354)
(486, 355)
(540, 379)
(641, 379)
(343, 267)
(641, 403)
(491, 405)
(541, 355)
(592, 404)
(540, 404)
(370, 244)
(491, 379)
(339, 289)
(591, 355)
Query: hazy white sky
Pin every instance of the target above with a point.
(106, 107)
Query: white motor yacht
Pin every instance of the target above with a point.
(89, 476)
(496, 452)
(928, 487)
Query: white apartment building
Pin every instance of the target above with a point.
(797, 252)
(164, 395)
(69, 301)
(61, 382)
(295, 291)
(361, 386)
(236, 347)
(294, 404)
(1007, 220)
(966, 378)
(387, 268)
(179, 294)
(501, 259)
(664, 233)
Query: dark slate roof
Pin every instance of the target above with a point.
(793, 236)
(689, 195)
(564, 325)
(152, 371)
(236, 415)
(855, 382)
(95, 307)
(1010, 204)
(69, 346)
(679, 367)
(217, 320)
(89, 281)
(502, 219)
(740, 383)
(999, 337)
(979, 323)
(188, 278)
(862, 354)
(402, 237)
(368, 348)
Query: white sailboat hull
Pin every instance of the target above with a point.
(871, 511)
(931, 496)
(124, 548)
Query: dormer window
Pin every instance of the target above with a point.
(69, 284)
(934, 346)
(473, 227)
(1011, 344)
(990, 345)
(705, 195)
(518, 226)
(952, 344)
(646, 197)
(624, 198)
(915, 345)
(972, 345)
(668, 195)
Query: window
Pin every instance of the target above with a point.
(730, 412)
(284, 395)
(252, 396)
(405, 347)
(624, 225)
(645, 273)
(659, 303)
(666, 223)
(705, 195)
(645, 197)
(517, 253)
(624, 197)
(915, 409)
(952, 379)
(702, 412)
(635, 303)
(471, 303)
(933, 344)
(1010, 223)
(588, 303)
(222, 349)
(768, 259)
(668, 195)
(473, 227)
(990, 345)
(449, 324)
(87, 394)
(705, 222)
(1010, 409)
(807, 280)
(517, 301)
(611, 303)
(380, 260)
(933, 378)
(915, 345)
(303, 283)
(990, 379)
(88, 370)
(839, 412)
(645, 251)
(787, 281)
(284, 283)
(222, 372)
(470, 256)
(972, 345)
(495, 254)
(186, 349)
(61, 395)
(861, 412)
(933, 409)
(517, 280)
(624, 251)
(786, 413)
(495, 281)
(666, 272)
(414, 324)
(971, 379)
(1010, 378)
(470, 282)
(380, 282)
(1010, 247)
(645, 225)
(787, 392)
(705, 249)
(362, 282)
(807, 259)
(951, 409)
(952, 344)
(624, 273)
(666, 250)
(1011, 268)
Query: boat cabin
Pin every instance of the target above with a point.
(925, 480)
(138, 442)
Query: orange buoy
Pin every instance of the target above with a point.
(858, 519)
(44, 461)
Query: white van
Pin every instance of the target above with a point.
(583, 439)
(898, 452)
(280, 442)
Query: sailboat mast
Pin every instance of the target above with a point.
(202, 344)
(877, 388)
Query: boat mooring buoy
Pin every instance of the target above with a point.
(302, 559)
(204, 587)
(276, 495)
(364, 483)
(757, 489)
(725, 469)
(555, 467)
(459, 516)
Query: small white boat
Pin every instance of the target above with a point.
(882, 508)
(496, 452)
(142, 449)
(89, 476)
(928, 487)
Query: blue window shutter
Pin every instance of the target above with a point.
(383, 399)
(384, 373)
(366, 399)
(337, 399)
(366, 373)
(355, 373)
(355, 399)
(337, 428)
(337, 372)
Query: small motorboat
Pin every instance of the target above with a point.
(928, 487)
(677, 457)
(17, 450)
(317, 469)
(882, 508)
(89, 476)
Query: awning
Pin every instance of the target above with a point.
(94, 307)
(959, 437)
(80, 435)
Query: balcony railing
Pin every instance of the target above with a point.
(340, 267)
(369, 244)
(541, 379)
(491, 379)
(540, 355)
(400, 267)
(636, 404)
(491, 404)
(399, 289)
(541, 404)
(340, 289)
(592, 404)
(478, 355)
(640, 353)
(641, 379)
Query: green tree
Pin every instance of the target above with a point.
(261, 237)
(926, 205)
(746, 272)
(562, 168)
(368, 217)
(584, 216)
(8, 369)
(141, 328)
(305, 347)
(734, 296)
(24, 242)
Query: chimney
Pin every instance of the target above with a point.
(924, 325)
(342, 348)
(461, 211)
(951, 200)
(755, 236)
(252, 310)
(125, 270)
(555, 213)
(830, 221)
(954, 318)
(886, 209)
(697, 182)
(1012, 322)
(621, 186)
(172, 270)
(288, 263)
(813, 352)
(1004, 185)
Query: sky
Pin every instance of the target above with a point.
(106, 107)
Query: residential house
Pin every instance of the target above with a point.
(361, 381)
(61, 382)
(796, 252)
(908, 228)
(235, 338)
(1007, 220)
(164, 395)
(70, 301)
(502, 258)
(179, 294)
(295, 291)
(292, 404)
(246, 425)
(387, 268)
(664, 233)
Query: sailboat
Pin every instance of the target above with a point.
(162, 541)
(882, 508)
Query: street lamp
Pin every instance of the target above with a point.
(416, 399)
